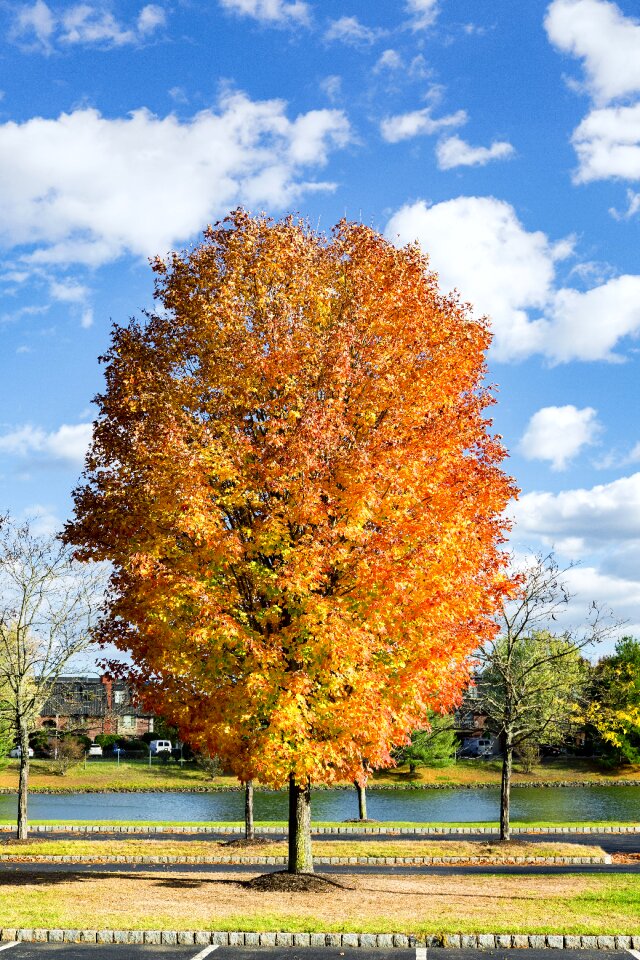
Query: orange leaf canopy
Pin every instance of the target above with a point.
(293, 478)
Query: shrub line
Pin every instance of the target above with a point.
(240, 938)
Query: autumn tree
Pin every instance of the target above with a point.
(614, 708)
(531, 680)
(293, 477)
(48, 604)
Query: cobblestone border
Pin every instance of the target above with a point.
(279, 861)
(483, 941)
(315, 831)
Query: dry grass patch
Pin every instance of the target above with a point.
(145, 847)
(422, 904)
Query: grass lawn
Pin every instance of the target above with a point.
(137, 775)
(570, 904)
(337, 848)
(213, 825)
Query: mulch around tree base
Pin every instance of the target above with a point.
(256, 842)
(292, 883)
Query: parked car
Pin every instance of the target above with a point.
(157, 747)
(95, 750)
(17, 752)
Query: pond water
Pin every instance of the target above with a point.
(464, 805)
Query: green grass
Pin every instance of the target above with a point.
(261, 824)
(152, 847)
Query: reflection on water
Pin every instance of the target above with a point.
(544, 803)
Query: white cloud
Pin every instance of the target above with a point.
(423, 13)
(587, 325)
(607, 143)
(35, 22)
(608, 43)
(151, 18)
(84, 188)
(68, 291)
(604, 515)
(42, 27)
(388, 60)
(351, 31)
(331, 86)
(455, 152)
(479, 246)
(42, 520)
(633, 207)
(270, 11)
(404, 126)
(558, 434)
(68, 443)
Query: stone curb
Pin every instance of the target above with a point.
(483, 941)
(316, 831)
(279, 861)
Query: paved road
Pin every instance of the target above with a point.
(610, 842)
(63, 951)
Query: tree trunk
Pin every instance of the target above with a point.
(300, 858)
(249, 831)
(23, 785)
(362, 800)
(505, 789)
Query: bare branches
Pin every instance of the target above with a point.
(48, 606)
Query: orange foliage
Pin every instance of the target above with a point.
(293, 477)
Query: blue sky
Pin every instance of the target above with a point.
(504, 137)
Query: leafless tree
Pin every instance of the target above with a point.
(48, 605)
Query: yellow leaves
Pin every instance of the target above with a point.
(296, 486)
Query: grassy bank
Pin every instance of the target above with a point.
(215, 825)
(134, 847)
(572, 904)
(138, 775)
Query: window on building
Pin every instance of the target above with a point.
(128, 722)
(119, 696)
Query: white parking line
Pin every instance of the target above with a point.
(634, 953)
(421, 953)
(207, 950)
(13, 943)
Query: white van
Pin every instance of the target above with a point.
(159, 746)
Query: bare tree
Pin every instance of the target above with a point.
(48, 604)
(531, 677)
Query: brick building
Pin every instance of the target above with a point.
(94, 705)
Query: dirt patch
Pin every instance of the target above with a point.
(281, 881)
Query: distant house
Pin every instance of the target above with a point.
(93, 705)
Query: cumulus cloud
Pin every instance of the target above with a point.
(479, 246)
(68, 444)
(423, 13)
(582, 520)
(351, 31)
(558, 434)
(607, 42)
(389, 60)
(607, 141)
(42, 27)
(455, 152)
(270, 11)
(417, 123)
(84, 188)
